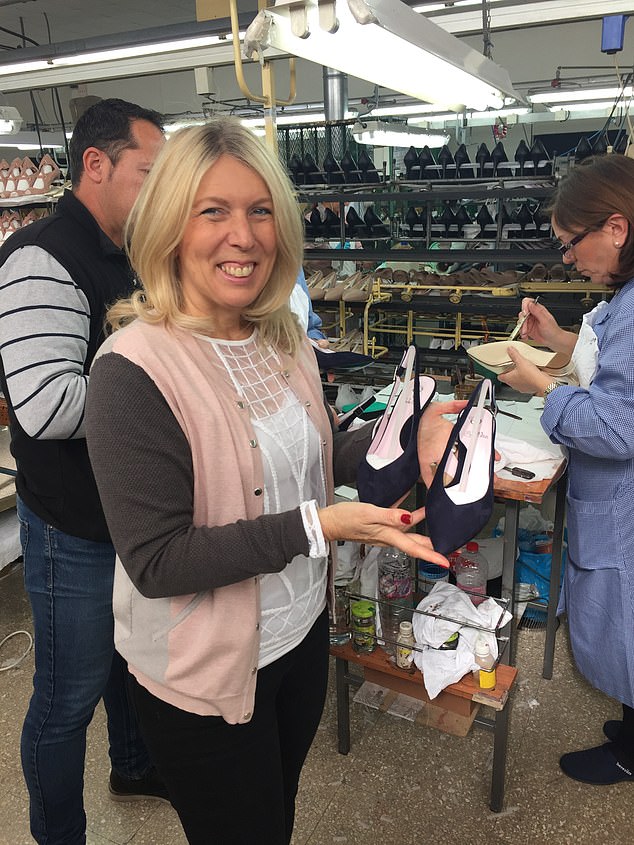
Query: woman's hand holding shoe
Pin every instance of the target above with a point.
(525, 376)
(365, 523)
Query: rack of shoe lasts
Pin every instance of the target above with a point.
(446, 251)
(27, 192)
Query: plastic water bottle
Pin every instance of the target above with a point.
(471, 571)
(396, 594)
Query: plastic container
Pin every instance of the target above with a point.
(363, 617)
(471, 572)
(486, 662)
(395, 593)
(405, 647)
(429, 574)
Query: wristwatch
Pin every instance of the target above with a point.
(552, 386)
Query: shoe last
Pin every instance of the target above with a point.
(369, 173)
(583, 149)
(460, 497)
(350, 167)
(410, 160)
(522, 154)
(445, 159)
(390, 468)
(425, 159)
(463, 162)
(482, 157)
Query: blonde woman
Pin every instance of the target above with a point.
(215, 459)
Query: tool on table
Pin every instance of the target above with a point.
(508, 414)
(520, 323)
(520, 472)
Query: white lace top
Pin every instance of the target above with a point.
(292, 460)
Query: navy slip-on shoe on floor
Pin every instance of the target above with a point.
(600, 766)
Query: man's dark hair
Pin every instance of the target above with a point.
(107, 125)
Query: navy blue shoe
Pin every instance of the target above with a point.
(612, 728)
(600, 766)
(460, 498)
(331, 359)
(148, 788)
(390, 467)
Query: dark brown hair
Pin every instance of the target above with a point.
(592, 192)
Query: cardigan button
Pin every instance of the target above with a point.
(247, 716)
(253, 444)
(258, 491)
(307, 404)
(257, 626)
(285, 373)
(254, 670)
(240, 404)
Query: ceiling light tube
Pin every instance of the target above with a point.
(380, 134)
(157, 50)
(508, 14)
(581, 94)
(385, 42)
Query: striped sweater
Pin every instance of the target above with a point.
(57, 278)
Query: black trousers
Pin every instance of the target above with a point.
(236, 784)
(625, 738)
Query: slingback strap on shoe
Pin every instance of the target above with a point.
(390, 468)
(460, 498)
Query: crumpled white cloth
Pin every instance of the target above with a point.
(513, 452)
(441, 668)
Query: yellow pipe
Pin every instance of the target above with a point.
(237, 59)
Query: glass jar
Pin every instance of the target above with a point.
(363, 626)
(405, 647)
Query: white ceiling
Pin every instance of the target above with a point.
(530, 55)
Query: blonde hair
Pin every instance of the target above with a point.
(163, 208)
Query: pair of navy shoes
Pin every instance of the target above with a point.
(460, 498)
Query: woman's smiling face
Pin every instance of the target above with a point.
(229, 245)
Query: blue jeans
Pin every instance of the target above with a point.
(69, 582)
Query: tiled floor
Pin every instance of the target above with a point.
(401, 784)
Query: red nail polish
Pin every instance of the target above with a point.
(406, 518)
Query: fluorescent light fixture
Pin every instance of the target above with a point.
(155, 51)
(401, 111)
(580, 95)
(384, 42)
(292, 119)
(31, 141)
(465, 16)
(471, 118)
(10, 120)
(381, 134)
(595, 106)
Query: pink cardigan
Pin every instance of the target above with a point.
(200, 652)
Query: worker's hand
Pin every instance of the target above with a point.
(376, 526)
(524, 375)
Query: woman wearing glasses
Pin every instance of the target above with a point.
(593, 217)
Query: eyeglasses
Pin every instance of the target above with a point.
(564, 248)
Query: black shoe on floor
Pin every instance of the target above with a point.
(600, 766)
(611, 728)
(148, 788)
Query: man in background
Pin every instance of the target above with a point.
(57, 278)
